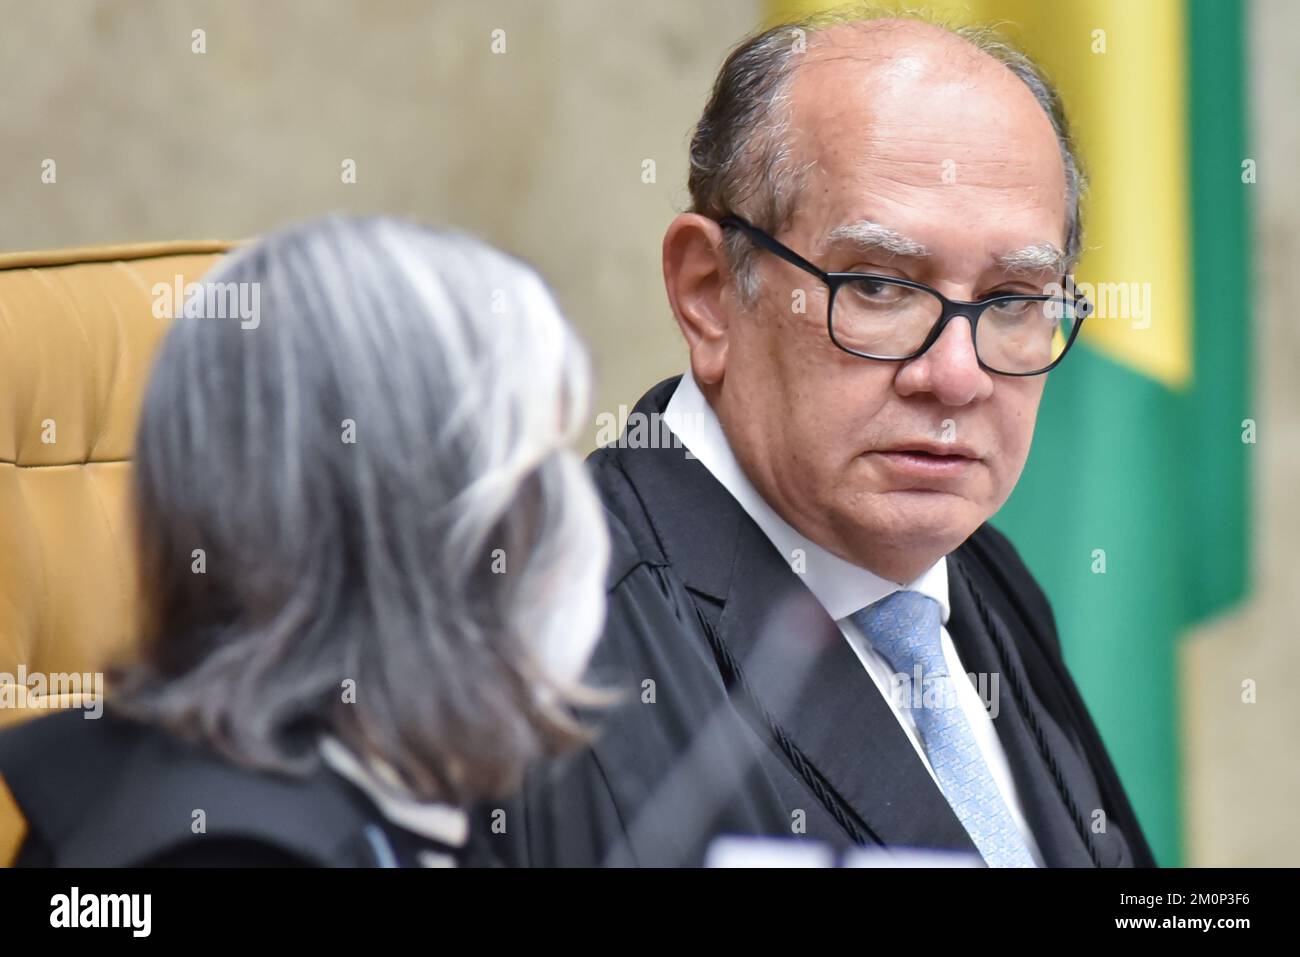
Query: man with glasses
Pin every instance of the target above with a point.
(825, 639)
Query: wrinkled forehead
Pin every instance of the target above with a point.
(909, 73)
(926, 131)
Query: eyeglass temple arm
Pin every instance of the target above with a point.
(1080, 300)
(761, 238)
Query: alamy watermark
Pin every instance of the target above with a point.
(41, 690)
(638, 430)
(918, 691)
(1110, 300)
(133, 912)
(209, 300)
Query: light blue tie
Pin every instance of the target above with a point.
(904, 628)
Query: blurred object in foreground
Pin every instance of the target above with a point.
(726, 852)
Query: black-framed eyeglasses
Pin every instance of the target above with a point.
(894, 319)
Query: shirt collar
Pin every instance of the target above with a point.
(445, 823)
(841, 587)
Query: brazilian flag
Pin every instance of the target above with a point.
(1133, 509)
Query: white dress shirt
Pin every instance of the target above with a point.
(445, 823)
(843, 588)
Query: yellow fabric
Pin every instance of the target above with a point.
(77, 337)
(13, 826)
(1121, 69)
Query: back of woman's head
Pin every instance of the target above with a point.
(358, 512)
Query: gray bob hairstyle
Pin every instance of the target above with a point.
(360, 516)
(741, 155)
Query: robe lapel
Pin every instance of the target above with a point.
(805, 675)
(1044, 808)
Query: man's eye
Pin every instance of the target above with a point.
(878, 292)
(1013, 309)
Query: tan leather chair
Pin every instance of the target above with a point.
(77, 336)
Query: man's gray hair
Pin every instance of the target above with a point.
(741, 156)
(400, 549)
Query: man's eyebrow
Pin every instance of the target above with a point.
(869, 236)
(1034, 258)
(873, 237)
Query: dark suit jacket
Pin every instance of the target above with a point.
(749, 714)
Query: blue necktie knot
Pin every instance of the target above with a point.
(904, 627)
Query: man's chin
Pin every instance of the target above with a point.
(918, 519)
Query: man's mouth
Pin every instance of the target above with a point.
(928, 462)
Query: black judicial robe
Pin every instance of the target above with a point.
(747, 713)
(111, 792)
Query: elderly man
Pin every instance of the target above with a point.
(826, 640)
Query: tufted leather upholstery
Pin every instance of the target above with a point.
(77, 335)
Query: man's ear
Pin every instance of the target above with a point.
(696, 276)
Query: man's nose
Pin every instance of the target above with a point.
(948, 369)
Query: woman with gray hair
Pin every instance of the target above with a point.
(373, 568)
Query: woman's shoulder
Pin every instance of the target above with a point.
(114, 792)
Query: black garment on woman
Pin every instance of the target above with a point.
(111, 792)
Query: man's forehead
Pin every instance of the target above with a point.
(886, 60)
(856, 105)
(886, 80)
(908, 119)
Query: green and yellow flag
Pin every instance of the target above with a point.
(1133, 508)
